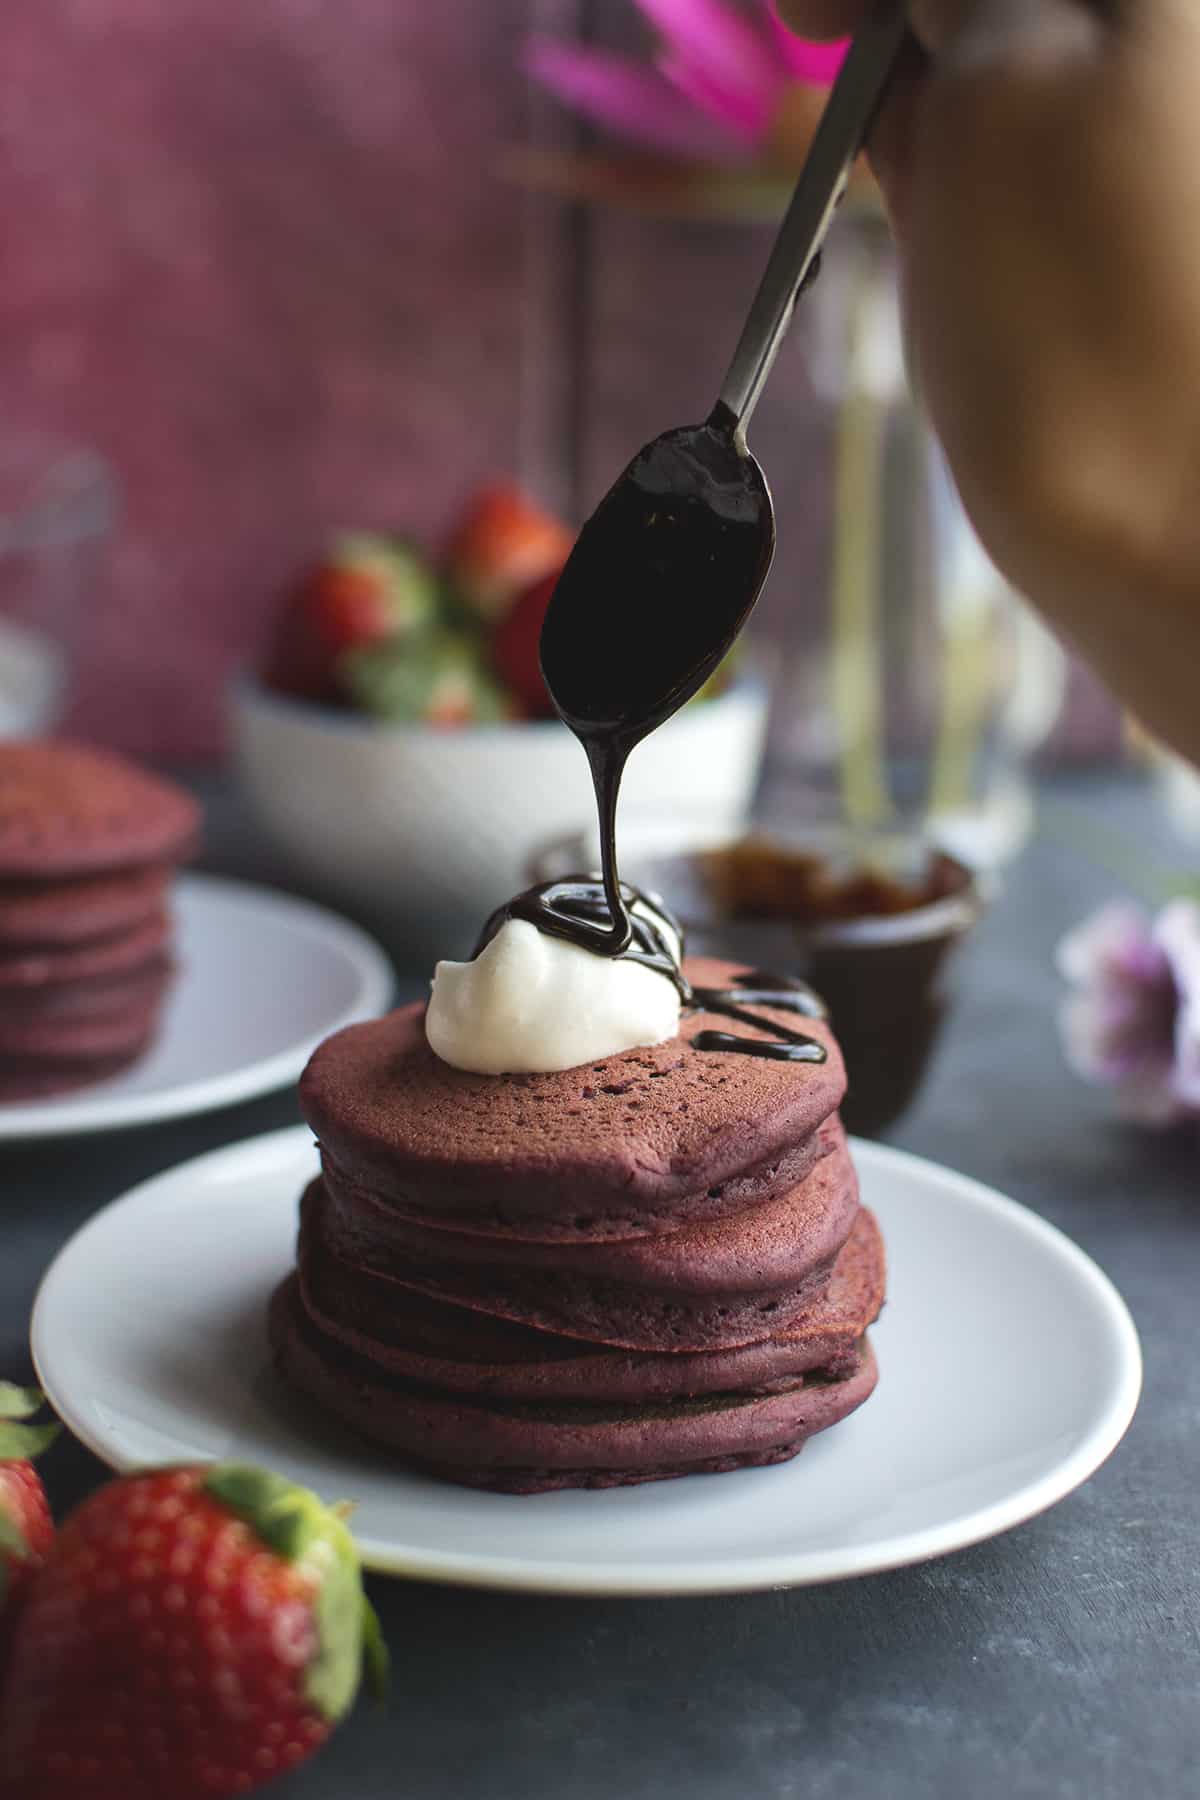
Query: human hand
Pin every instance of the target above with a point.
(1041, 163)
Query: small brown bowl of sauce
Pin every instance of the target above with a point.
(870, 920)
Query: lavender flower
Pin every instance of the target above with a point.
(1133, 1022)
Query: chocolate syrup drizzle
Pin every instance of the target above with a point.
(576, 910)
(757, 987)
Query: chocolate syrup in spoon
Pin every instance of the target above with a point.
(661, 580)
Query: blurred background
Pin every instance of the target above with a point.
(280, 269)
(325, 325)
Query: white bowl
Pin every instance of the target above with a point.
(428, 830)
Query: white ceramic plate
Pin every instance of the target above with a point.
(262, 979)
(1010, 1369)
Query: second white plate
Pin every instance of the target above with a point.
(1010, 1369)
(262, 979)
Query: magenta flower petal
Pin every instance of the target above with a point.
(746, 114)
(627, 97)
(718, 42)
(817, 65)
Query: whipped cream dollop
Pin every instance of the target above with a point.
(530, 1003)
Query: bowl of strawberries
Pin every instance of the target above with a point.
(398, 744)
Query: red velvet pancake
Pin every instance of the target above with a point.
(103, 995)
(535, 1447)
(67, 810)
(49, 1040)
(88, 842)
(36, 915)
(652, 1265)
(708, 1286)
(129, 952)
(633, 1144)
(435, 1344)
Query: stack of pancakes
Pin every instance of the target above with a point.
(88, 846)
(645, 1267)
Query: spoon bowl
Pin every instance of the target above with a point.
(661, 580)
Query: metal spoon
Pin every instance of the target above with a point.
(666, 571)
(635, 627)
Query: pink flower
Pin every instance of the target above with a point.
(715, 88)
(817, 65)
(1133, 1021)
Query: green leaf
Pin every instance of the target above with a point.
(303, 1531)
(265, 1501)
(375, 1651)
(331, 1679)
(21, 1443)
(18, 1402)
(432, 676)
(403, 574)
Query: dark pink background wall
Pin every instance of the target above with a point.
(259, 255)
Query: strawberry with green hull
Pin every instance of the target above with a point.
(502, 544)
(397, 636)
(514, 646)
(438, 678)
(368, 590)
(26, 1527)
(194, 1633)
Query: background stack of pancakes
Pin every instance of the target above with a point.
(649, 1266)
(88, 845)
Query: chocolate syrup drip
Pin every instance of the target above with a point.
(658, 587)
(758, 988)
(660, 582)
(793, 1049)
(576, 910)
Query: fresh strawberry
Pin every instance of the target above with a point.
(194, 1632)
(514, 646)
(26, 1527)
(368, 589)
(502, 543)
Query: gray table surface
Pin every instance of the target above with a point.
(1062, 1659)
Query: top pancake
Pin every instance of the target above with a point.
(608, 1146)
(67, 810)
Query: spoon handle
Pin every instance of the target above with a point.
(844, 124)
